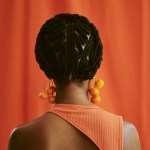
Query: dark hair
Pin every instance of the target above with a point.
(68, 47)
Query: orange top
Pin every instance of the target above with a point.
(103, 128)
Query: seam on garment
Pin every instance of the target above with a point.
(121, 132)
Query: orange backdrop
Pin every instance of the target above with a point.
(124, 26)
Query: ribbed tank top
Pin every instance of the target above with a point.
(103, 128)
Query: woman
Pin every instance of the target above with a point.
(69, 51)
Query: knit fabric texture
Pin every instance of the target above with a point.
(103, 128)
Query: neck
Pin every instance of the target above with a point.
(72, 93)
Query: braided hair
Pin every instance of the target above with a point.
(68, 47)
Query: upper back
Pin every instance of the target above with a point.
(52, 132)
(49, 132)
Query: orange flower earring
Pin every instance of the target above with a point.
(94, 90)
(48, 93)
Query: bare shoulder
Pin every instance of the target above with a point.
(15, 140)
(130, 137)
(28, 135)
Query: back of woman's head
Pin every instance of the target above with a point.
(68, 47)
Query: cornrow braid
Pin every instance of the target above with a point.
(68, 47)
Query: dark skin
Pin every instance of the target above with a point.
(50, 132)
